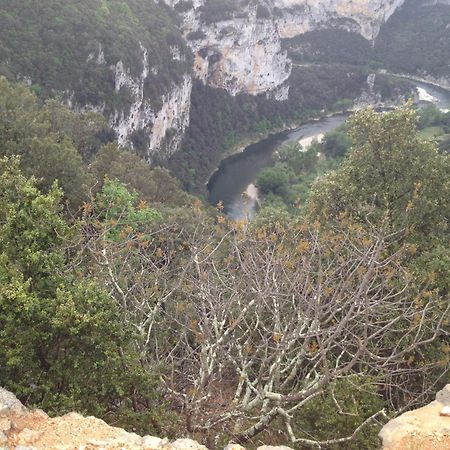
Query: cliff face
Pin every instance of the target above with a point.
(364, 17)
(239, 55)
(127, 60)
(161, 121)
(172, 114)
(240, 50)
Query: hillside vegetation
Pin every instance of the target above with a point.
(70, 49)
(142, 306)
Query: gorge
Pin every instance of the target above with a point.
(238, 46)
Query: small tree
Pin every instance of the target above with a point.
(270, 319)
(247, 326)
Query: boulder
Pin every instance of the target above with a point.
(424, 428)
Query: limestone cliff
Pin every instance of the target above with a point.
(363, 16)
(240, 49)
(160, 120)
(241, 54)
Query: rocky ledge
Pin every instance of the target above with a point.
(424, 428)
(25, 429)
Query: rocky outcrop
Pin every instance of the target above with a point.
(161, 121)
(239, 55)
(24, 429)
(364, 16)
(424, 428)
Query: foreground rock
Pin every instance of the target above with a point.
(24, 429)
(425, 428)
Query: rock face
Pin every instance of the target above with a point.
(239, 55)
(424, 428)
(242, 51)
(22, 429)
(363, 16)
(160, 121)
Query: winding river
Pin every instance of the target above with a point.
(233, 181)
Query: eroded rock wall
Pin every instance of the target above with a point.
(363, 16)
(243, 53)
(160, 121)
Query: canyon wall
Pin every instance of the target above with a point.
(159, 121)
(241, 50)
(364, 16)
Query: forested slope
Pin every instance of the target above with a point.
(67, 47)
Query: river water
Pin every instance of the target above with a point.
(233, 181)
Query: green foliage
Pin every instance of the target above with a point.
(273, 180)
(60, 52)
(63, 343)
(31, 228)
(300, 168)
(299, 160)
(120, 210)
(415, 39)
(50, 139)
(155, 185)
(329, 46)
(390, 175)
(336, 142)
(219, 10)
(356, 398)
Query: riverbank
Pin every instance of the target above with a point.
(442, 82)
(253, 138)
(243, 162)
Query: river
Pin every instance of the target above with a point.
(233, 181)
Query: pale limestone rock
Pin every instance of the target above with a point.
(239, 55)
(234, 447)
(143, 115)
(28, 436)
(153, 443)
(443, 396)
(38, 413)
(363, 16)
(9, 402)
(425, 423)
(186, 444)
(5, 424)
(244, 55)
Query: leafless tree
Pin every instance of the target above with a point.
(248, 324)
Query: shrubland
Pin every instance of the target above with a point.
(152, 311)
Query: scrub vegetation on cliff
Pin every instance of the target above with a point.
(70, 49)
